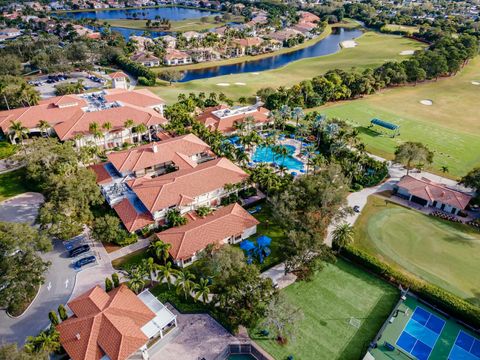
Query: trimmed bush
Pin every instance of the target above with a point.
(116, 280)
(446, 301)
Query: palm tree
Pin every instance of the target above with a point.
(137, 279)
(202, 290)
(46, 342)
(94, 129)
(161, 250)
(17, 131)
(150, 267)
(3, 87)
(297, 114)
(128, 124)
(44, 127)
(444, 169)
(140, 129)
(166, 273)
(184, 282)
(107, 126)
(342, 235)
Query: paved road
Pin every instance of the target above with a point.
(60, 277)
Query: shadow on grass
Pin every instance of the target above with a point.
(358, 344)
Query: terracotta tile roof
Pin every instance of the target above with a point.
(131, 218)
(105, 324)
(250, 41)
(178, 149)
(65, 114)
(175, 54)
(308, 16)
(103, 176)
(181, 187)
(429, 190)
(143, 56)
(118, 75)
(199, 232)
(227, 124)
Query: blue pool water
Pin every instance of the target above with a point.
(265, 154)
(172, 13)
(421, 333)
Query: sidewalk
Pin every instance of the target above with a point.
(140, 244)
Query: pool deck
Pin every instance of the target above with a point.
(393, 330)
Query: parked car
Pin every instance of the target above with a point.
(78, 250)
(356, 208)
(84, 261)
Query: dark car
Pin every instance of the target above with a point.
(78, 250)
(356, 208)
(84, 261)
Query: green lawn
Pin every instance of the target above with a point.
(449, 127)
(132, 259)
(441, 252)
(180, 25)
(13, 183)
(374, 49)
(395, 27)
(336, 294)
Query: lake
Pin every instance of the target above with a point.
(172, 13)
(329, 45)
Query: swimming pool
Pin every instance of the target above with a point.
(265, 154)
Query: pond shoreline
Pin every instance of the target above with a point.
(135, 8)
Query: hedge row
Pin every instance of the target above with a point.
(145, 75)
(444, 300)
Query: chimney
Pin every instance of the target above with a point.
(77, 335)
(155, 148)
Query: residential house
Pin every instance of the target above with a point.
(176, 57)
(189, 35)
(70, 116)
(170, 41)
(142, 42)
(9, 33)
(306, 16)
(204, 54)
(284, 35)
(427, 193)
(224, 119)
(146, 59)
(249, 45)
(114, 325)
(305, 28)
(227, 225)
(84, 31)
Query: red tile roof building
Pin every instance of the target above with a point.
(70, 116)
(105, 324)
(429, 193)
(229, 224)
(223, 119)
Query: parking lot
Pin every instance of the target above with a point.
(81, 240)
(45, 84)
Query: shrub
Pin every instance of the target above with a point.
(62, 312)
(52, 315)
(116, 280)
(433, 294)
(108, 284)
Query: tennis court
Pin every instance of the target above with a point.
(466, 347)
(421, 333)
(417, 331)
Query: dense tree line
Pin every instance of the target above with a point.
(444, 57)
(145, 75)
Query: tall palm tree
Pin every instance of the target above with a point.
(44, 127)
(128, 124)
(140, 130)
(184, 282)
(137, 279)
(94, 129)
(161, 250)
(444, 169)
(150, 267)
(17, 131)
(46, 342)
(107, 126)
(202, 290)
(342, 235)
(166, 273)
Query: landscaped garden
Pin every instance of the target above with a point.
(336, 294)
(449, 126)
(443, 253)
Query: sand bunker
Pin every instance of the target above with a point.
(223, 84)
(348, 44)
(477, 83)
(240, 83)
(426, 102)
(407, 52)
(255, 73)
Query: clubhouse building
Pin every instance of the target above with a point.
(427, 193)
(180, 174)
(74, 117)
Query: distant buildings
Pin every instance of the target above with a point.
(146, 59)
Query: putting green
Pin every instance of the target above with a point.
(443, 253)
(450, 127)
(373, 50)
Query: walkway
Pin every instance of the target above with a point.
(140, 244)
